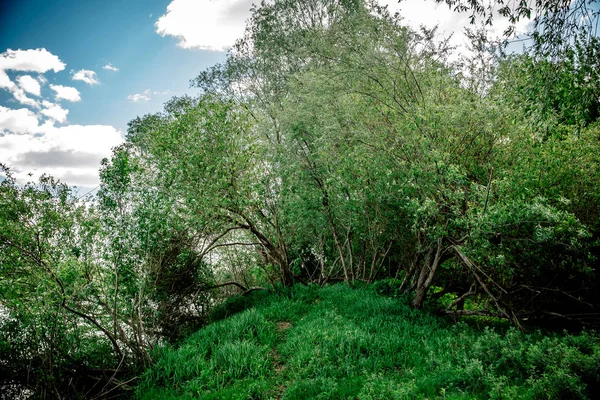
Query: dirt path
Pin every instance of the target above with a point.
(278, 365)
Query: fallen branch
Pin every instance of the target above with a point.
(473, 268)
(239, 285)
(540, 290)
(471, 292)
(481, 313)
(573, 317)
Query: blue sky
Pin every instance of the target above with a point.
(89, 35)
(73, 73)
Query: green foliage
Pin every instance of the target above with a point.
(318, 154)
(47, 276)
(555, 94)
(388, 287)
(333, 144)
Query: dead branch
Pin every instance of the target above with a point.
(239, 285)
(473, 268)
(481, 313)
(471, 292)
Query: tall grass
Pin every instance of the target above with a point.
(342, 343)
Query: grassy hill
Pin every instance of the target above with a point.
(342, 343)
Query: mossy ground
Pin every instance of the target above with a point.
(343, 343)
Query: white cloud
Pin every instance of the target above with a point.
(147, 95)
(84, 138)
(136, 98)
(429, 14)
(207, 25)
(66, 93)
(21, 121)
(22, 98)
(70, 153)
(30, 143)
(86, 76)
(17, 92)
(35, 60)
(110, 67)
(5, 81)
(55, 112)
(30, 85)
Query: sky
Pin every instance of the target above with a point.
(74, 72)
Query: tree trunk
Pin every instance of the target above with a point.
(287, 277)
(426, 276)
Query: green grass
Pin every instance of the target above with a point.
(342, 343)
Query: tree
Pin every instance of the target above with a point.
(48, 270)
(350, 118)
(227, 186)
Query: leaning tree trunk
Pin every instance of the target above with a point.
(277, 257)
(427, 274)
(274, 251)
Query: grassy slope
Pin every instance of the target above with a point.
(337, 343)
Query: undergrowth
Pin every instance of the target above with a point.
(342, 343)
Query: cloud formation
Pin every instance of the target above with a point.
(21, 97)
(19, 121)
(147, 95)
(110, 67)
(66, 93)
(30, 142)
(5, 82)
(206, 25)
(55, 112)
(136, 98)
(34, 60)
(70, 153)
(86, 76)
(30, 85)
(53, 158)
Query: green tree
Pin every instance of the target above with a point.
(47, 269)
